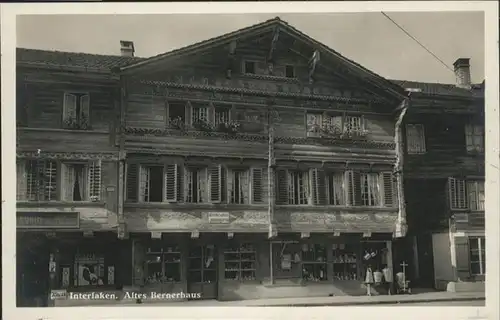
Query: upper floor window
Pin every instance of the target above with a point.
(465, 194)
(81, 181)
(289, 71)
(474, 138)
(176, 114)
(249, 67)
(47, 180)
(319, 187)
(415, 138)
(222, 115)
(194, 184)
(322, 124)
(76, 111)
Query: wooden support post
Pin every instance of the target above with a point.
(401, 225)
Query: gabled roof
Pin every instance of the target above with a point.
(441, 89)
(264, 26)
(61, 59)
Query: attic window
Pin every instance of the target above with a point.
(289, 71)
(249, 67)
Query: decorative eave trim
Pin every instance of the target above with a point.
(42, 65)
(257, 92)
(67, 155)
(342, 142)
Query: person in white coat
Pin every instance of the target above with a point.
(388, 279)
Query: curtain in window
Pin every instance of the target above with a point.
(69, 182)
(480, 195)
(338, 189)
(188, 184)
(80, 179)
(202, 185)
(21, 180)
(305, 194)
(373, 184)
(245, 186)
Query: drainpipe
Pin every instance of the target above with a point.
(401, 224)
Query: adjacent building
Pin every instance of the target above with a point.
(257, 164)
(444, 182)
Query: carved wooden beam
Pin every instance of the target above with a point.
(155, 235)
(230, 235)
(304, 235)
(272, 49)
(195, 235)
(231, 59)
(367, 234)
(336, 234)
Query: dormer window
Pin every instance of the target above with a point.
(249, 67)
(289, 71)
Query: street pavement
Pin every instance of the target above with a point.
(471, 303)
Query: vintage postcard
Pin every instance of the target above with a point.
(192, 159)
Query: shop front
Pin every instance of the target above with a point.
(240, 266)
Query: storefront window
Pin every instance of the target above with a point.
(374, 256)
(163, 264)
(202, 264)
(89, 270)
(314, 262)
(477, 255)
(239, 262)
(345, 257)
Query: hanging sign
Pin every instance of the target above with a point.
(218, 217)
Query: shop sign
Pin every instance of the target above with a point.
(54, 220)
(60, 294)
(218, 217)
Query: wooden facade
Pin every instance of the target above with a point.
(445, 164)
(239, 167)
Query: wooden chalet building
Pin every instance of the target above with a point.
(444, 183)
(257, 164)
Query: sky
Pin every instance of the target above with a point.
(370, 39)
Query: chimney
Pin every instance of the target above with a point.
(462, 73)
(127, 48)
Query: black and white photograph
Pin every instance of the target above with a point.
(231, 159)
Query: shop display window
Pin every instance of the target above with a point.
(202, 264)
(163, 264)
(240, 262)
(314, 262)
(344, 260)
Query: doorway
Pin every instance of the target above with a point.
(202, 270)
(32, 276)
(425, 260)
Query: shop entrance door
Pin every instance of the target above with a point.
(202, 271)
(33, 277)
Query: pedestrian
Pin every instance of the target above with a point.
(388, 279)
(369, 280)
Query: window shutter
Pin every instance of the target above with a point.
(388, 187)
(94, 184)
(189, 112)
(170, 180)
(69, 106)
(469, 137)
(143, 184)
(85, 107)
(472, 194)
(282, 187)
(132, 182)
(50, 181)
(211, 113)
(21, 188)
(32, 180)
(462, 258)
(452, 192)
(362, 124)
(215, 185)
(245, 186)
(67, 178)
(313, 181)
(257, 190)
(180, 183)
(354, 191)
(336, 123)
(202, 185)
